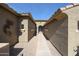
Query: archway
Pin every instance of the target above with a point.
(40, 28)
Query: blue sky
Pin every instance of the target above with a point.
(39, 11)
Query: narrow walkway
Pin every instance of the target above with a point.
(44, 47)
(24, 48)
(37, 46)
(52, 49)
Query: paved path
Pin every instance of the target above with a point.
(44, 47)
(37, 46)
(24, 48)
(52, 49)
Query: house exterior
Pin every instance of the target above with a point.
(63, 30)
(15, 26)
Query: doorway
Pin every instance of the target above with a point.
(40, 28)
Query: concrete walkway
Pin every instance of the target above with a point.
(25, 48)
(52, 49)
(37, 46)
(44, 47)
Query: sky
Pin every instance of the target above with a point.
(39, 11)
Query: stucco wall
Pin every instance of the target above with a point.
(28, 31)
(4, 17)
(31, 29)
(40, 23)
(57, 33)
(23, 37)
(73, 32)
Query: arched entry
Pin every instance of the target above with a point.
(40, 28)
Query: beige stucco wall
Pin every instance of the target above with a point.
(73, 32)
(23, 37)
(57, 34)
(4, 16)
(40, 23)
(29, 29)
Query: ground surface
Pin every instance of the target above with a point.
(37, 46)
